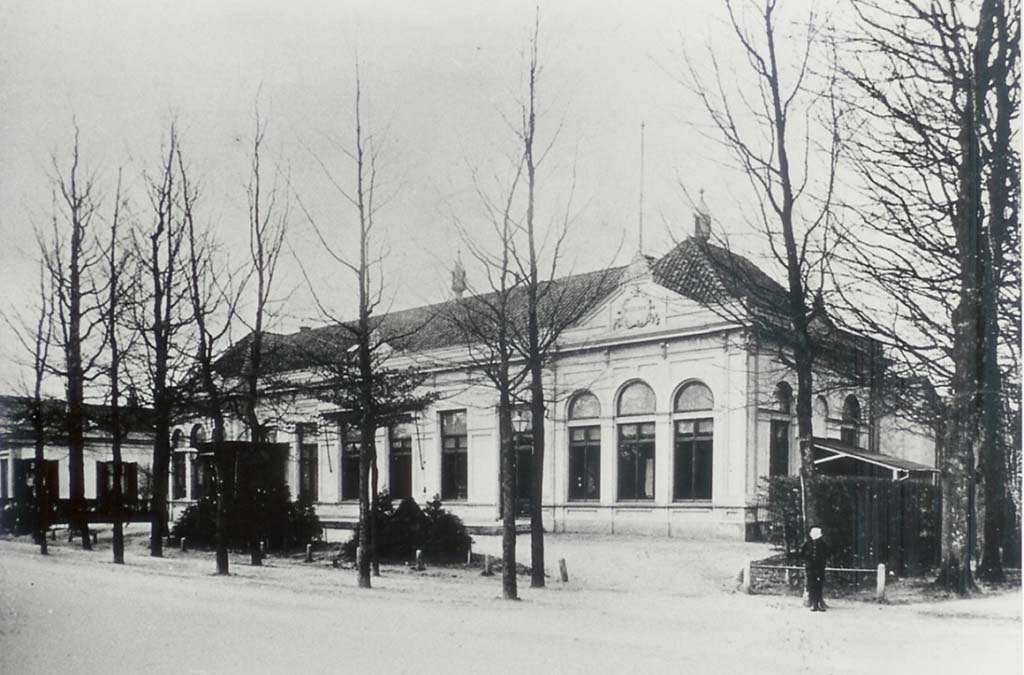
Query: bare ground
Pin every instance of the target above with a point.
(631, 605)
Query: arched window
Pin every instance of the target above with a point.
(584, 406)
(584, 448)
(784, 398)
(636, 444)
(636, 399)
(820, 418)
(821, 408)
(693, 397)
(177, 439)
(197, 436)
(850, 432)
(694, 442)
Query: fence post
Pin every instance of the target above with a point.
(487, 566)
(748, 587)
(419, 560)
(563, 570)
(880, 583)
(309, 553)
(184, 545)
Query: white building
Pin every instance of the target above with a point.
(664, 416)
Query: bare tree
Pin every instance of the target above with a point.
(551, 307)
(368, 343)
(769, 127)
(116, 267)
(486, 323)
(161, 316)
(267, 227)
(36, 337)
(73, 258)
(214, 302)
(936, 96)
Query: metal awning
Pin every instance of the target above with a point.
(831, 449)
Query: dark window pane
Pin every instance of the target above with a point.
(178, 476)
(636, 461)
(585, 464)
(309, 472)
(778, 460)
(694, 458)
(453, 456)
(400, 465)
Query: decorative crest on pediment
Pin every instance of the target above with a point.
(636, 311)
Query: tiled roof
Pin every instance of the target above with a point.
(695, 269)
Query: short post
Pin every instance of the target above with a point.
(309, 553)
(747, 585)
(53, 535)
(184, 545)
(487, 566)
(419, 560)
(880, 583)
(95, 537)
(789, 581)
(563, 570)
(469, 555)
(263, 547)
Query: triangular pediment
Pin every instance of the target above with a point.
(639, 307)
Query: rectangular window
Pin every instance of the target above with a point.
(850, 436)
(309, 475)
(454, 455)
(778, 460)
(105, 481)
(584, 463)
(178, 475)
(400, 463)
(636, 461)
(25, 479)
(350, 448)
(522, 445)
(200, 477)
(694, 455)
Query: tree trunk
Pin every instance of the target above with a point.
(374, 513)
(509, 590)
(42, 485)
(115, 426)
(161, 461)
(805, 434)
(537, 488)
(363, 551)
(957, 484)
(224, 482)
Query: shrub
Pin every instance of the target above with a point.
(400, 532)
(267, 515)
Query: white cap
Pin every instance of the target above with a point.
(815, 533)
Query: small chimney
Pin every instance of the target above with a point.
(458, 276)
(702, 219)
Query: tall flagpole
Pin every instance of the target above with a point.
(640, 237)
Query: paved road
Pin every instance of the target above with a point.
(75, 612)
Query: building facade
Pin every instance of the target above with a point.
(664, 416)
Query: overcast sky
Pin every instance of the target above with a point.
(440, 77)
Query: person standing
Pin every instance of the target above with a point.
(815, 555)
